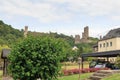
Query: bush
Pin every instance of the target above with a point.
(85, 70)
(35, 58)
(117, 63)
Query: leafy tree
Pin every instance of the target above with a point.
(69, 39)
(117, 63)
(69, 54)
(37, 57)
(2, 42)
(77, 53)
(9, 35)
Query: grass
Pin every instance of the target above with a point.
(113, 77)
(74, 66)
(75, 77)
(1, 75)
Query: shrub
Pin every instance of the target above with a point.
(117, 63)
(85, 70)
(37, 57)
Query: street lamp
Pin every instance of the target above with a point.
(79, 61)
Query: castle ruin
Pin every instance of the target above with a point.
(85, 36)
(77, 39)
(26, 31)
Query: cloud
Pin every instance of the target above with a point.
(115, 17)
(60, 10)
(43, 11)
(95, 7)
(92, 7)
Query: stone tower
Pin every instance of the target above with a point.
(86, 32)
(77, 39)
(85, 36)
(26, 31)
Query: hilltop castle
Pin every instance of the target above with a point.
(84, 39)
(85, 36)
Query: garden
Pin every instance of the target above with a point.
(1, 74)
(43, 57)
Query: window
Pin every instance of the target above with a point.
(103, 44)
(107, 44)
(110, 43)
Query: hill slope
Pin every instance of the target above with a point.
(8, 35)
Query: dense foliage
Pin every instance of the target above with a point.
(83, 48)
(69, 39)
(72, 54)
(37, 57)
(117, 63)
(9, 35)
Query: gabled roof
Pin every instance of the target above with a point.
(114, 53)
(5, 53)
(112, 34)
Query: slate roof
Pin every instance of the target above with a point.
(114, 53)
(5, 53)
(112, 34)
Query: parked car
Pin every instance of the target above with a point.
(102, 64)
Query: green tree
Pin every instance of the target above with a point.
(77, 53)
(117, 63)
(37, 57)
(2, 42)
(9, 35)
(69, 39)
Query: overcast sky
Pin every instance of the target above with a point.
(62, 16)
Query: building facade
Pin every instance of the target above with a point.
(110, 42)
